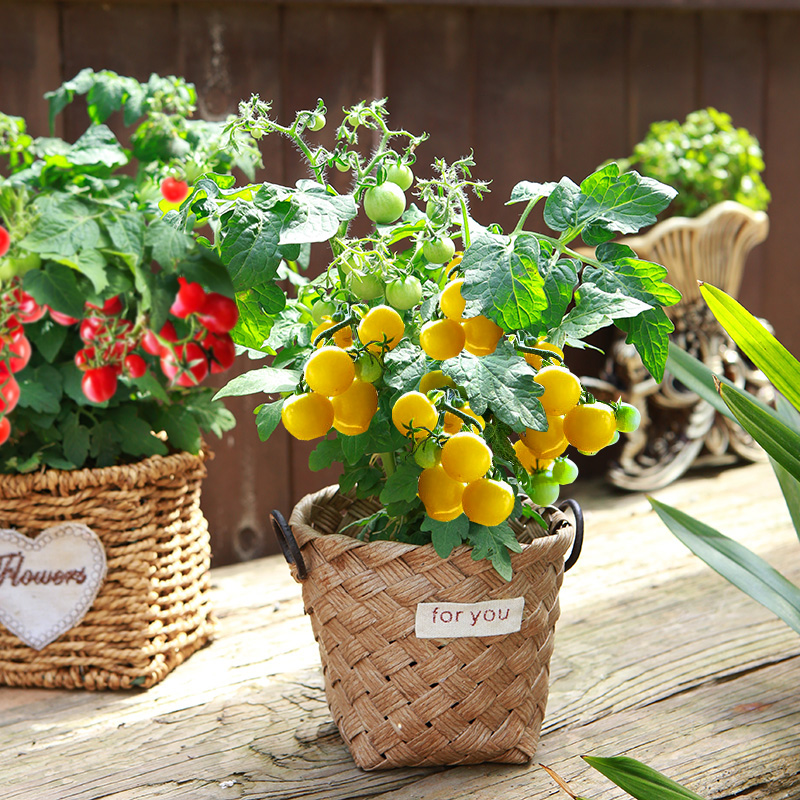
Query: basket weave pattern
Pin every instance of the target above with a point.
(152, 610)
(402, 701)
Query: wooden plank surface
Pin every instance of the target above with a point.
(656, 657)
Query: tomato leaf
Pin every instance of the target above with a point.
(263, 379)
(502, 280)
(649, 334)
(315, 214)
(401, 485)
(446, 536)
(639, 780)
(56, 287)
(595, 309)
(405, 365)
(525, 191)
(168, 244)
(135, 432)
(40, 389)
(75, 438)
(635, 277)
(503, 381)
(268, 418)
(325, 454)
(560, 281)
(65, 227)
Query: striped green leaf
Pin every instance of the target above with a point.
(763, 349)
(735, 563)
(639, 780)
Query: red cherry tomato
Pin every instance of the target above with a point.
(5, 430)
(9, 392)
(29, 309)
(99, 384)
(135, 365)
(113, 305)
(219, 313)
(174, 191)
(222, 351)
(20, 348)
(190, 299)
(91, 328)
(61, 319)
(5, 241)
(84, 357)
(150, 343)
(187, 366)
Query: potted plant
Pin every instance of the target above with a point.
(427, 358)
(110, 320)
(706, 235)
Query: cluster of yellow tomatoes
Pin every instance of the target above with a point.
(459, 474)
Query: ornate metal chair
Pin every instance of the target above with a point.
(678, 429)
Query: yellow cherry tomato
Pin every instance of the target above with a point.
(307, 416)
(488, 502)
(442, 339)
(435, 379)
(329, 371)
(381, 329)
(354, 409)
(440, 494)
(590, 427)
(466, 457)
(562, 390)
(414, 410)
(454, 264)
(453, 423)
(342, 338)
(546, 444)
(536, 361)
(451, 301)
(482, 335)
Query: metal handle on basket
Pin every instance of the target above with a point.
(577, 543)
(289, 547)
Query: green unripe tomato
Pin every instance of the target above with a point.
(564, 471)
(400, 174)
(317, 122)
(435, 209)
(368, 368)
(384, 204)
(320, 309)
(426, 454)
(404, 293)
(628, 418)
(544, 491)
(439, 251)
(365, 286)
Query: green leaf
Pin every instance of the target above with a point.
(127, 232)
(135, 433)
(75, 440)
(567, 208)
(635, 277)
(789, 486)
(325, 454)
(268, 418)
(595, 309)
(56, 287)
(65, 227)
(696, 377)
(502, 280)
(735, 563)
(263, 379)
(105, 97)
(639, 780)
(94, 266)
(525, 191)
(503, 381)
(97, 147)
(47, 337)
(40, 389)
(405, 365)
(168, 244)
(446, 536)
(763, 349)
(559, 283)
(649, 334)
(182, 429)
(315, 214)
(401, 485)
(251, 247)
(781, 442)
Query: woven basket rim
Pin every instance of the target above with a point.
(137, 473)
(304, 532)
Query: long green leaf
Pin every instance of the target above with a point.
(735, 563)
(763, 349)
(781, 442)
(696, 376)
(639, 780)
(789, 486)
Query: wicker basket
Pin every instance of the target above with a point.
(400, 700)
(152, 610)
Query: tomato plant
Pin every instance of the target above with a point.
(437, 378)
(103, 299)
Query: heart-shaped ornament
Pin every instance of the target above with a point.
(47, 584)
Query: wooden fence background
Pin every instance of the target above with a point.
(537, 89)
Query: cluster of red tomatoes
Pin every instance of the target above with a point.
(110, 342)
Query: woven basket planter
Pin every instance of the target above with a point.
(400, 700)
(152, 609)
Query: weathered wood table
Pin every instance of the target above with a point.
(656, 657)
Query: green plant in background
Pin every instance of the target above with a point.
(776, 430)
(428, 356)
(110, 318)
(707, 159)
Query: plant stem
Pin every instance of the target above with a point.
(389, 464)
(524, 217)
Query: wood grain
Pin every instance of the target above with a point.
(656, 657)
